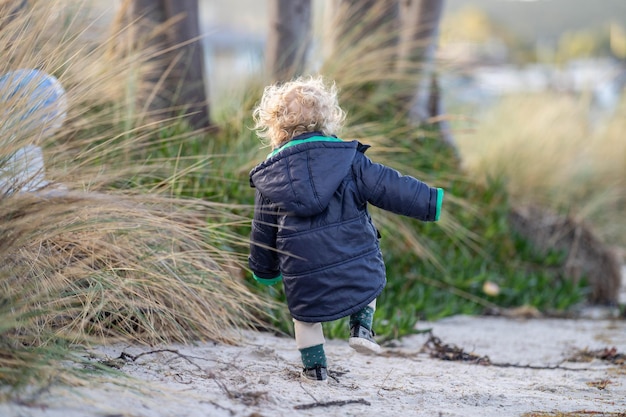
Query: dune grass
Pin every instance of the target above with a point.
(551, 151)
(111, 252)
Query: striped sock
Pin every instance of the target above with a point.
(364, 317)
(312, 356)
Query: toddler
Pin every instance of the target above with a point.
(311, 227)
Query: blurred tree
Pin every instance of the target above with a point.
(370, 24)
(404, 34)
(418, 48)
(617, 40)
(289, 38)
(364, 30)
(170, 30)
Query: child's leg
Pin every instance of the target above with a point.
(364, 317)
(310, 342)
(361, 333)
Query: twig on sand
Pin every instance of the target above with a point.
(447, 352)
(338, 403)
(247, 397)
(437, 349)
(133, 358)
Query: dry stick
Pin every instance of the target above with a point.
(308, 393)
(453, 353)
(384, 380)
(247, 397)
(133, 358)
(224, 388)
(338, 403)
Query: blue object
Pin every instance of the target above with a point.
(34, 101)
(33, 105)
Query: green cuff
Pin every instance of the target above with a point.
(268, 281)
(439, 203)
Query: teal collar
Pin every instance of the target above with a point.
(307, 140)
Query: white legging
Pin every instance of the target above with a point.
(312, 334)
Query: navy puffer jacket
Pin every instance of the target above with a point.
(311, 227)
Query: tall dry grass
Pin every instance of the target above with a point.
(113, 255)
(551, 151)
(107, 267)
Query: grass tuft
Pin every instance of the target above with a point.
(111, 250)
(551, 150)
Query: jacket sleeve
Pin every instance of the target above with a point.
(263, 258)
(386, 188)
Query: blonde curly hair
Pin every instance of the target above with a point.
(303, 105)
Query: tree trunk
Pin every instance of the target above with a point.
(172, 30)
(372, 25)
(418, 50)
(289, 38)
(417, 55)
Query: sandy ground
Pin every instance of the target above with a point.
(528, 372)
(495, 366)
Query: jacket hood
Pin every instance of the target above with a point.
(302, 176)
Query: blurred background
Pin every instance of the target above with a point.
(488, 48)
(541, 79)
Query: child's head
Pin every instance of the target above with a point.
(303, 105)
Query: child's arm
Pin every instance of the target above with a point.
(263, 258)
(386, 188)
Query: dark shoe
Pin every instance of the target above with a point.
(362, 340)
(318, 373)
